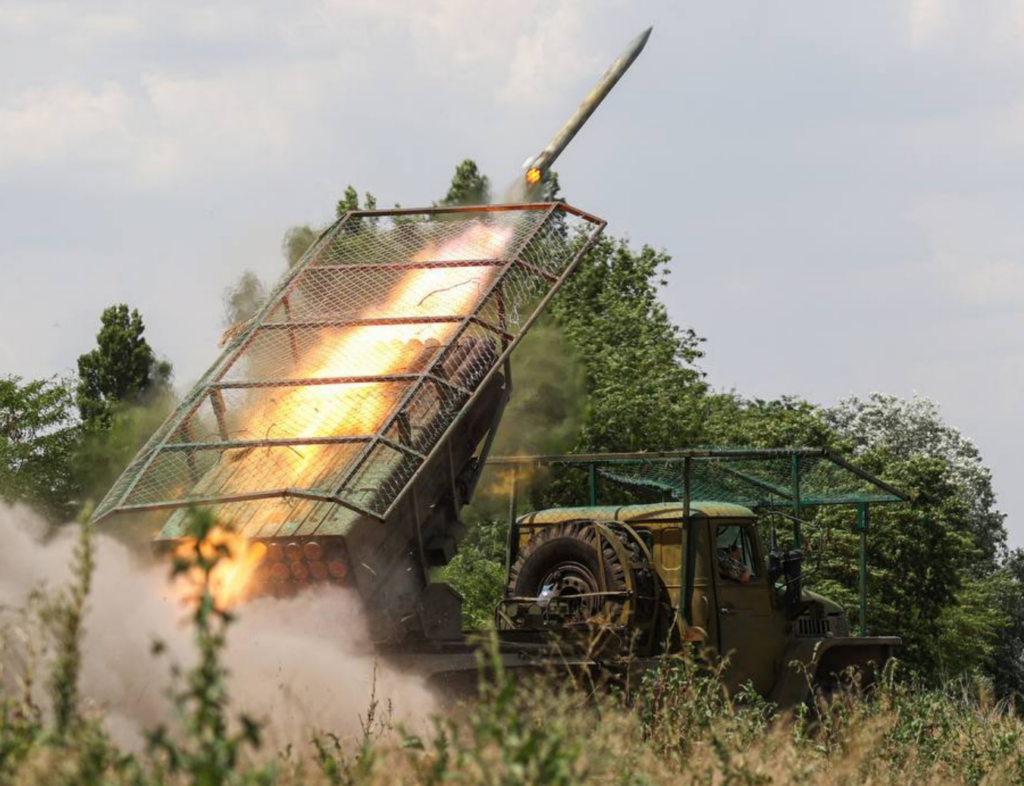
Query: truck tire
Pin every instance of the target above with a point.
(564, 557)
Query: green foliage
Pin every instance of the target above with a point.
(210, 753)
(67, 746)
(38, 434)
(501, 741)
(643, 387)
(245, 297)
(102, 454)
(1008, 665)
(951, 607)
(545, 413)
(122, 369)
(677, 726)
(957, 602)
(477, 571)
(469, 186)
(734, 421)
(297, 241)
(968, 631)
(350, 202)
(65, 617)
(905, 428)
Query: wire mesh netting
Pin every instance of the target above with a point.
(344, 383)
(749, 477)
(753, 481)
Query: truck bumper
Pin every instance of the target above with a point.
(809, 663)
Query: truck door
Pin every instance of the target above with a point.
(750, 634)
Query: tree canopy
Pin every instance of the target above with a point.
(38, 435)
(469, 186)
(121, 369)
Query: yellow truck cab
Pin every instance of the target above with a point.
(624, 571)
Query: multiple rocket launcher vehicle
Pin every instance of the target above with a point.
(347, 423)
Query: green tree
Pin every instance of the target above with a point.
(243, 299)
(903, 428)
(469, 186)
(297, 241)
(122, 369)
(38, 435)
(477, 570)
(1008, 658)
(643, 385)
(123, 395)
(934, 572)
(892, 434)
(728, 419)
(350, 201)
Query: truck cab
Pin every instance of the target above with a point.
(627, 567)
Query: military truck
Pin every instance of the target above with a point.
(621, 574)
(348, 423)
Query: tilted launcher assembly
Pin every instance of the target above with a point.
(346, 424)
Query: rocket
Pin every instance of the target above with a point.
(537, 166)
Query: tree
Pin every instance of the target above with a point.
(350, 202)
(1008, 658)
(904, 428)
(297, 241)
(728, 419)
(469, 186)
(642, 382)
(38, 434)
(243, 299)
(934, 573)
(921, 559)
(123, 394)
(607, 370)
(122, 369)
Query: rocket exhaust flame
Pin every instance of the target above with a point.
(237, 560)
(378, 350)
(357, 408)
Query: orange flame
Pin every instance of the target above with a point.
(352, 409)
(359, 409)
(230, 577)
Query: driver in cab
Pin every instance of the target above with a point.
(730, 564)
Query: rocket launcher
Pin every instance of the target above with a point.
(345, 425)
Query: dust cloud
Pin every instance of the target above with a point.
(299, 665)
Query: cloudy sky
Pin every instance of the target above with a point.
(841, 185)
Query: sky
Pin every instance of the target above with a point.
(840, 185)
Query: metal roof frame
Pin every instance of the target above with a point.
(674, 473)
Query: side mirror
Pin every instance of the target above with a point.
(787, 565)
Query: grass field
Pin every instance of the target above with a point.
(677, 727)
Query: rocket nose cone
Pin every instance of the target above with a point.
(638, 43)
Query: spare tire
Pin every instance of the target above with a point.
(563, 560)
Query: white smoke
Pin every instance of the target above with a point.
(299, 665)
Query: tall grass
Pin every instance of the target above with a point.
(678, 726)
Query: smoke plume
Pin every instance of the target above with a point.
(300, 665)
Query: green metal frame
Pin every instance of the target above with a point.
(676, 469)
